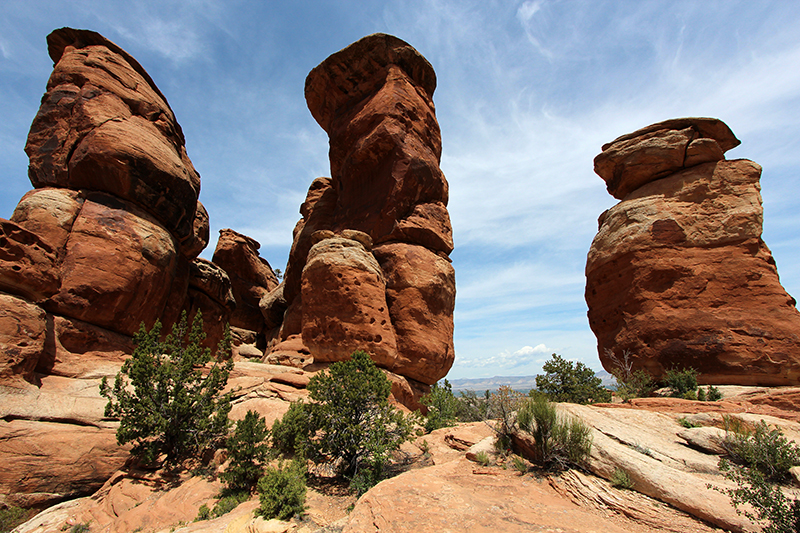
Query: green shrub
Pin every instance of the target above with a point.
(559, 442)
(368, 476)
(228, 502)
(282, 491)
(519, 464)
(687, 424)
(11, 517)
(760, 501)
(766, 450)
(471, 407)
(248, 450)
(681, 381)
(203, 513)
(714, 394)
(701, 394)
(163, 401)
(689, 395)
(566, 381)
(442, 407)
(621, 480)
(351, 417)
(482, 458)
(291, 435)
(79, 528)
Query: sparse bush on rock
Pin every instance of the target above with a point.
(757, 462)
(566, 381)
(165, 401)
(559, 442)
(282, 491)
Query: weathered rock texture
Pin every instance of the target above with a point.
(251, 277)
(107, 240)
(678, 274)
(369, 266)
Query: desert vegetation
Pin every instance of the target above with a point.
(758, 462)
(166, 404)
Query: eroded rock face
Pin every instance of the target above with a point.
(106, 241)
(251, 277)
(386, 190)
(678, 274)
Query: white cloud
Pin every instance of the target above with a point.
(507, 360)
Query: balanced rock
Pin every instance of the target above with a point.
(678, 275)
(345, 287)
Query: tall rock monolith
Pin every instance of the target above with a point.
(369, 267)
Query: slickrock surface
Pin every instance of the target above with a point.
(369, 265)
(678, 274)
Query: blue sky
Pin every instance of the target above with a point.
(527, 93)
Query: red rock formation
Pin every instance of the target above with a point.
(678, 274)
(251, 277)
(374, 100)
(107, 240)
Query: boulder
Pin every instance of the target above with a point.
(50, 214)
(659, 150)
(420, 291)
(678, 275)
(210, 294)
(28, 264)
(344, 304)
(252, 278)
(116, 286)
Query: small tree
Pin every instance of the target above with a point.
(352, 415)
(165, 403)
(566, 381)
(442, 407)
(248, 450)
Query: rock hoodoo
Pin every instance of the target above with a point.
(678, 274)
(369, 266)
(107, 240)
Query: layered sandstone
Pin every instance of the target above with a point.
(369, 266)
(107, 240)
(678, 274)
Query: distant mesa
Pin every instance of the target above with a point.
(678, 274)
